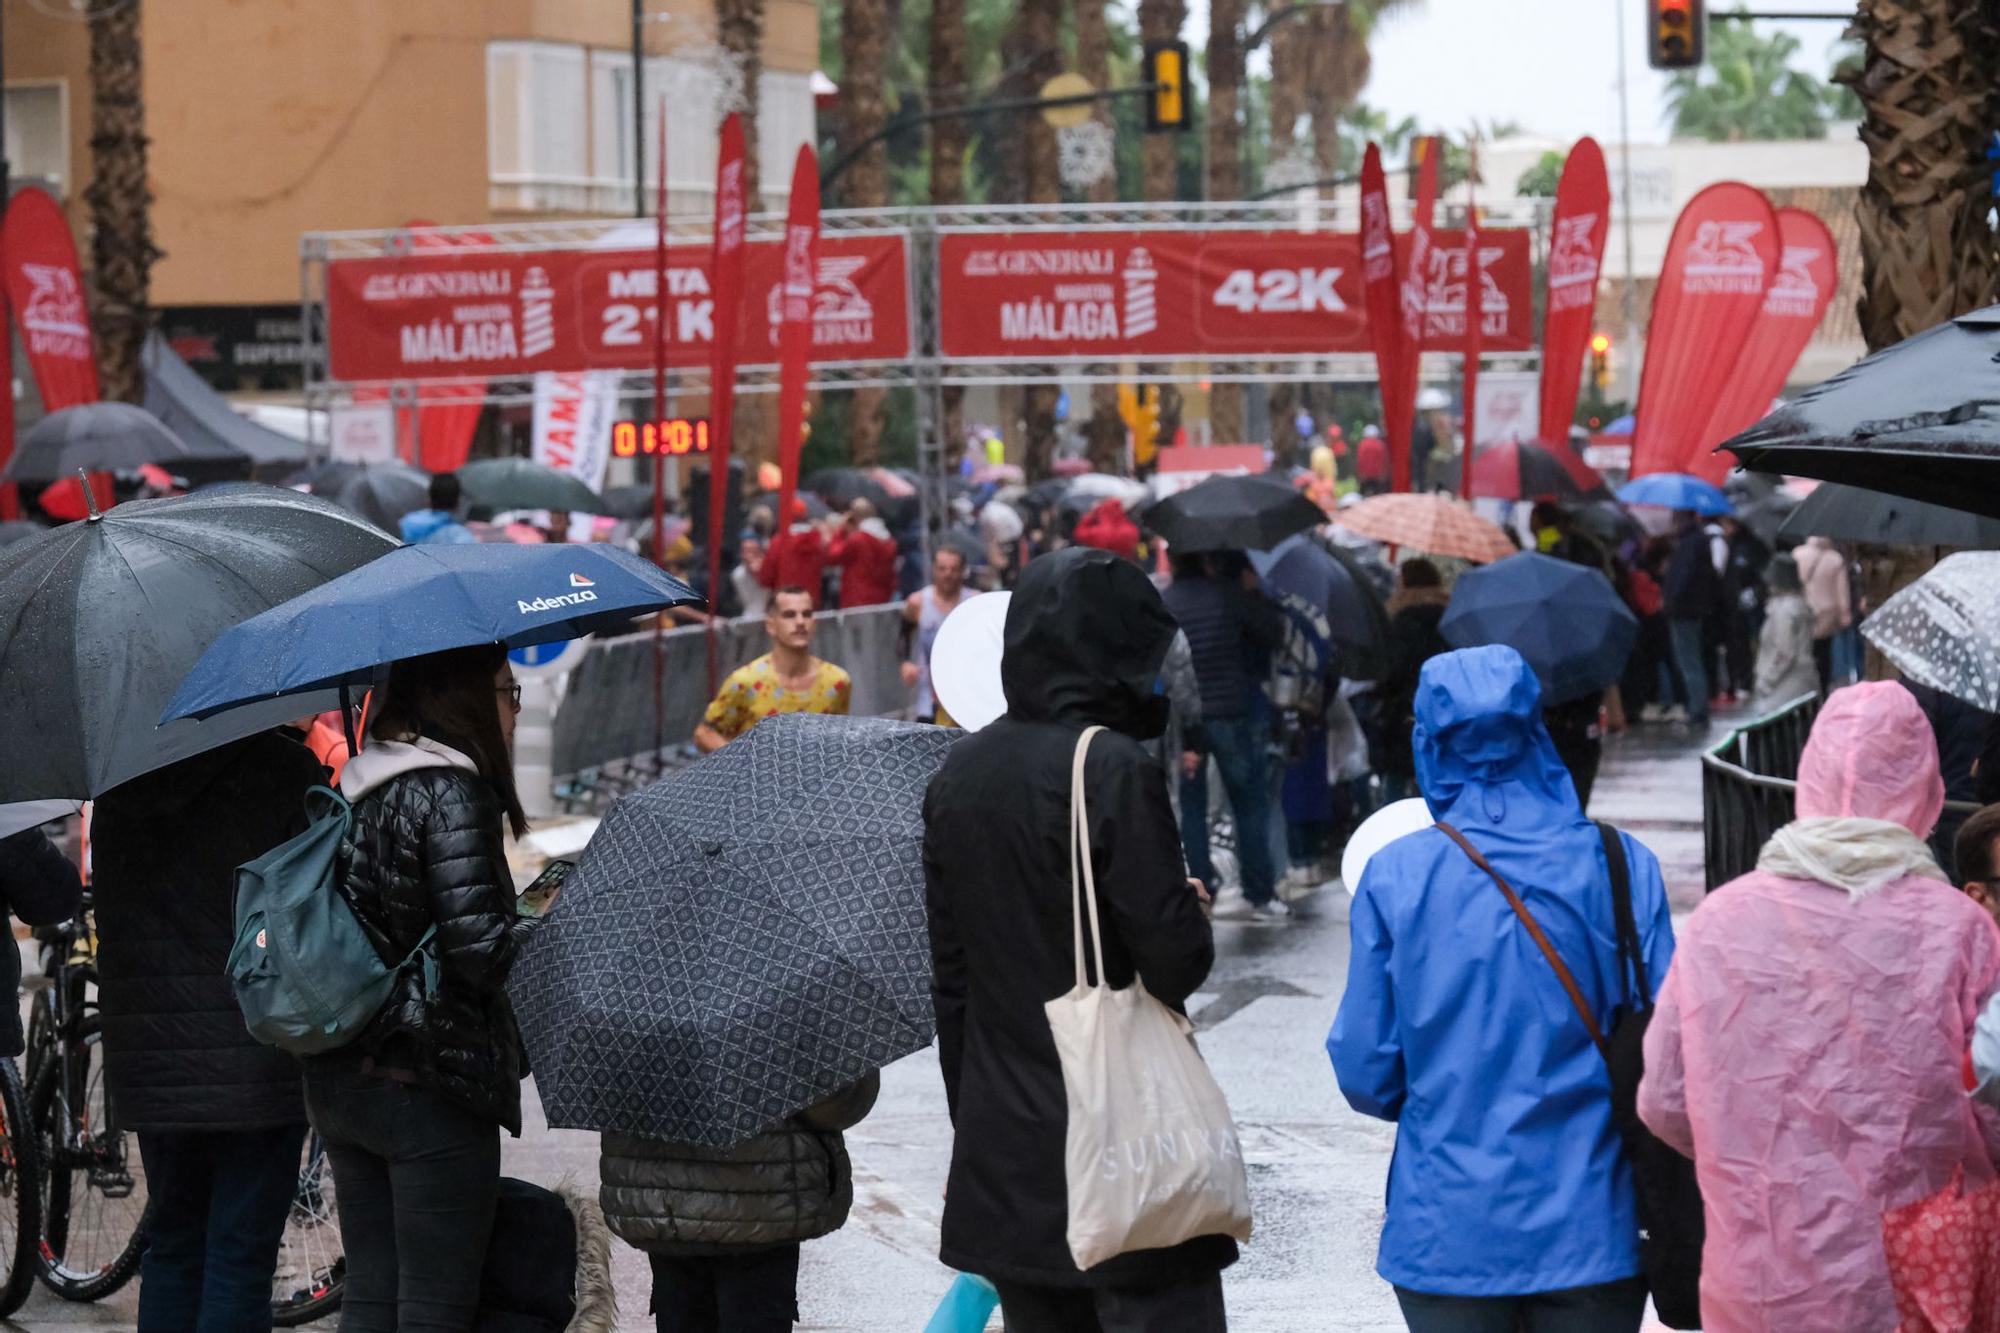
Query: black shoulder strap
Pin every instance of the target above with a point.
(1631, 957)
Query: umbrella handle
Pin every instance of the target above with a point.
(347, 720)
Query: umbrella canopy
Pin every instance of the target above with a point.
(1433, 523)
(1944, 630)
(1675, 490)
(997, 474)
(628, 502)
(1850, 514)
(113, 437)
(99, 621)
(1567, 620)
(517, 483)
(1606, 520)
(1333, 583)
(1105, 486)
(742, 939)
(1918, 419)
(381, 493)
(18, 530)
(816, 509)
(1232, 514)
(1519, 470)
(894, 498)
(424, 599)
(1761, 502)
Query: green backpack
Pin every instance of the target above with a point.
(305, 973)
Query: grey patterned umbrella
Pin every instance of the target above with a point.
(741, 939)
(1944, 630)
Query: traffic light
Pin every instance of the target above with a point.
(1676, 33)
(1170, 105)
(1600, 361)
(1140, 409)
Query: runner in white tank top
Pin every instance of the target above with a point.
(923, 615)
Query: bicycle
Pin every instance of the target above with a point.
(312, 1266)
(92, 1188)
(20, 1194)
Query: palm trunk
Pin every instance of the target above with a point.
(864, 44)
(949, 74)
(1927, 86)
(1033, 55)
(1104, 430)
(1290, 70)
(1225, 171)
(120, 199)
(739, 30)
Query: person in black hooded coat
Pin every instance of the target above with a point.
(1085, 639)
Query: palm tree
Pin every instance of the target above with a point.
(1032, 51)
(1161, 20)
(1925, 83)
(864, 47)
(120, 199)
(1224, 174)
(1104, 429)
(739, 30)
(1747, 89)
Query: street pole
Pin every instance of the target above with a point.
(1628, 297)
(638, 108)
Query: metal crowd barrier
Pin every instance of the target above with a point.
(605, 741)
(1748, 784)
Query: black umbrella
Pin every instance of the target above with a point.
(382, 493)
(100, 620)
(628, 502)
(1232, 514)
(1523, 470)
(324, 478)
(517, 483)
(1333, 583)
(1920, 419)
(816, 508)
(742, 939)
(1850, 514)
(1606, 520)
(18, 530)
(114, 437)
(891, 494)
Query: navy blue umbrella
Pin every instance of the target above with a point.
(1567, 620)
(1334, 585)
(424, 599)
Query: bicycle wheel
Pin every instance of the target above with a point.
(94, 1187)
(20, 1193)
(312, 1263)
(41, 1036)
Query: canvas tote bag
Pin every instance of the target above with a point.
(1151, 1157)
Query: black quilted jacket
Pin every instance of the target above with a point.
(165, 848)
(787, 1185)
(427, 850)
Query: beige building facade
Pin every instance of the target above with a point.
(271, 118)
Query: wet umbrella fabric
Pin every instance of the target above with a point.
(1434, 524)
(1334, 584)
(382, 493)
(517, 483)
(424, 599)
(1518, 470)
(1944, 630)
(741, 939)
(894, 498)
(1919, 419)
(1675, 490)
(1567, 620)
(1850, 514)
(99, 621)
(113, 437)
(1232, 514)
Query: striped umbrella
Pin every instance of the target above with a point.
(1435, 524)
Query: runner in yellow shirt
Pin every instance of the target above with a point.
(788, 679)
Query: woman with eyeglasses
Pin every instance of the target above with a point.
(412, 1111)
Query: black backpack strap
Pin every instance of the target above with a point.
(1631, 957)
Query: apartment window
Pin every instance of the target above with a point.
(785, 112)
(38, 135)
(689, 90)
(537, 125)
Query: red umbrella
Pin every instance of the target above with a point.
(1518, 470)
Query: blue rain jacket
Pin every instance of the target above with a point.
(1508, 1177)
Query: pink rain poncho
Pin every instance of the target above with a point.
(1809, 1044)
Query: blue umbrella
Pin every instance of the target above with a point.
(1334, 585)
(423, 599)
(1675, 490)
(1567, 620)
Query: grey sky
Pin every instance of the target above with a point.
(1550, 65)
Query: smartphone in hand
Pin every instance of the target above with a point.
(540, 896)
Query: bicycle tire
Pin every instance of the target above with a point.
(20, 1191)
(40, 1038)
(311, 1276)
(61, 1168)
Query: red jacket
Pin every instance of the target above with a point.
(1371, 458)
(867, 568)
(795, 560)
(1109, 528)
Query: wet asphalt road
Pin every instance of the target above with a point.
(1317, 1170)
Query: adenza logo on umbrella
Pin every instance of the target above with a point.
(561, 599)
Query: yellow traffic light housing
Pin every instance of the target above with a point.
(1676, 33)
(1170, 105)
(1139, 407)
(1600, 360)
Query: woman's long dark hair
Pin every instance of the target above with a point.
(450, 697)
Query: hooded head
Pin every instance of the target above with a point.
(1086, 636)
(1479, 738)
(1872, 755)
(1781, 575)
(1322, 462)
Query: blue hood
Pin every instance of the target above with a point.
(1479, 738)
